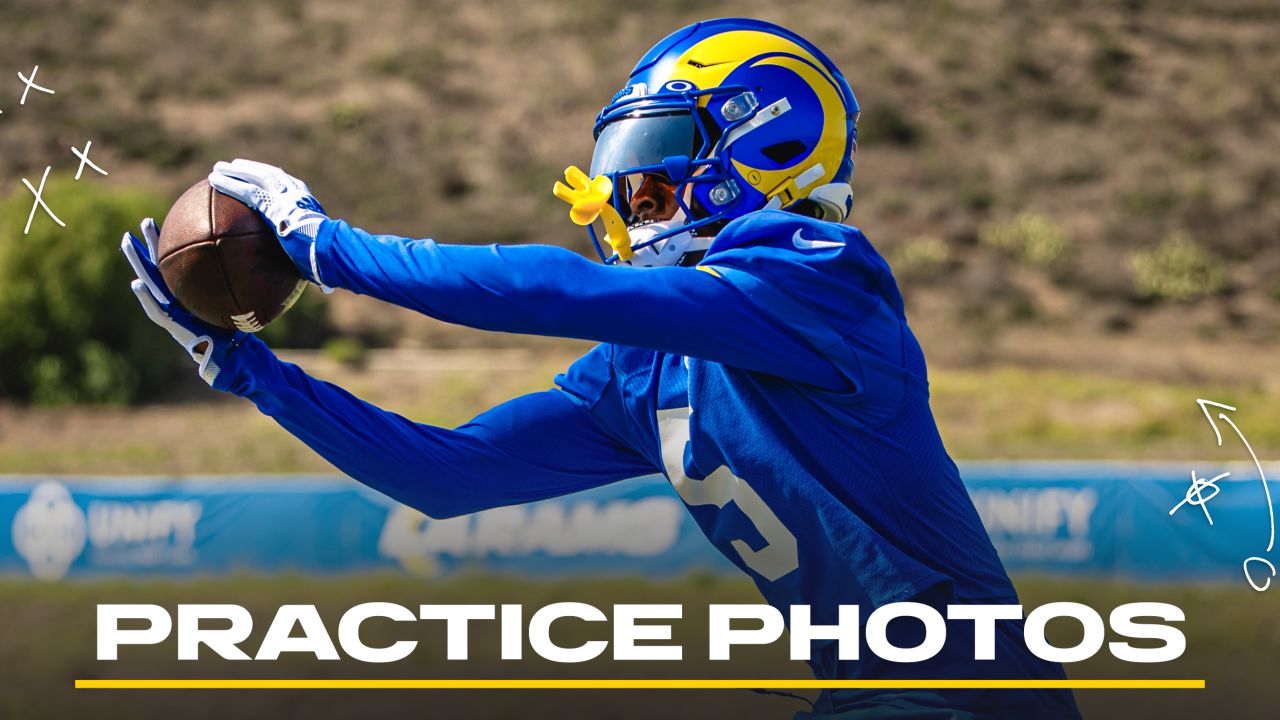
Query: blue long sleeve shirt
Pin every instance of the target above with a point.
(776, 385)
(540, 439)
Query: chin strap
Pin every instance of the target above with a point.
(672, 250)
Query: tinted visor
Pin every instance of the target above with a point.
(643, 140)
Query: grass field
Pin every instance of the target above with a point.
(1004, 412)
(48, 642)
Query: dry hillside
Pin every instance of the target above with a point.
(1054, 181)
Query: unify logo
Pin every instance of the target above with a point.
(51, 531)
(1050, 523)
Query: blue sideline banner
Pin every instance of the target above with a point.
(1125, 520)
(1055, 518)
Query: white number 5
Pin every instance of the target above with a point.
(779, 556)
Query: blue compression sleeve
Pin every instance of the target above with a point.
(544, 290)
(537, 446)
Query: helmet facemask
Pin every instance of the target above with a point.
(670, 137)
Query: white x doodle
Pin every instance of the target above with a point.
(39, 201)
(31, 83)
(84, 159)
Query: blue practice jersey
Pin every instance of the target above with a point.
(777, 385)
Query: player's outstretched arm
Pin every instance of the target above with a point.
(537, 446)
(529, 289)
(545, 290)
(533, 447)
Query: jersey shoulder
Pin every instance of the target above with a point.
(810, 256)
(826, 282)
(787, 236)
(827, 266)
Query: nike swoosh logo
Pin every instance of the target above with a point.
(805, 244)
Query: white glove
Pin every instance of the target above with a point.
(284, 201)
(209, 346)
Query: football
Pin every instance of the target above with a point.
(223, 262)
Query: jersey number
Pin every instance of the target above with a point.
(779, 556)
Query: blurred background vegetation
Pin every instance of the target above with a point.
(1071, 187)
(1080, 198)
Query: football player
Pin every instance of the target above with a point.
(752, 348)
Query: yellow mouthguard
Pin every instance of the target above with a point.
(588, 199)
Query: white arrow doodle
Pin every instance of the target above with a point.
(1271, 513)
(1204, 407)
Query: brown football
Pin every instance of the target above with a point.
(223, 262)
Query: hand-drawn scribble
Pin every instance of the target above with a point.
(39, 201)
(84, 159)
(1248, 576)
(1198, 485)
(1195, 493)
(31, 85)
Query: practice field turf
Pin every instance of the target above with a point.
(48, 642)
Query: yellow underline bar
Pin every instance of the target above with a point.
(633, 684)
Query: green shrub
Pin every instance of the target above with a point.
(346, 350)
(1034, 239)
(1178, 269)
(70, 329)
(346, 115)
(922, 257)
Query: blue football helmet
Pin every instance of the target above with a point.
(737, 115)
